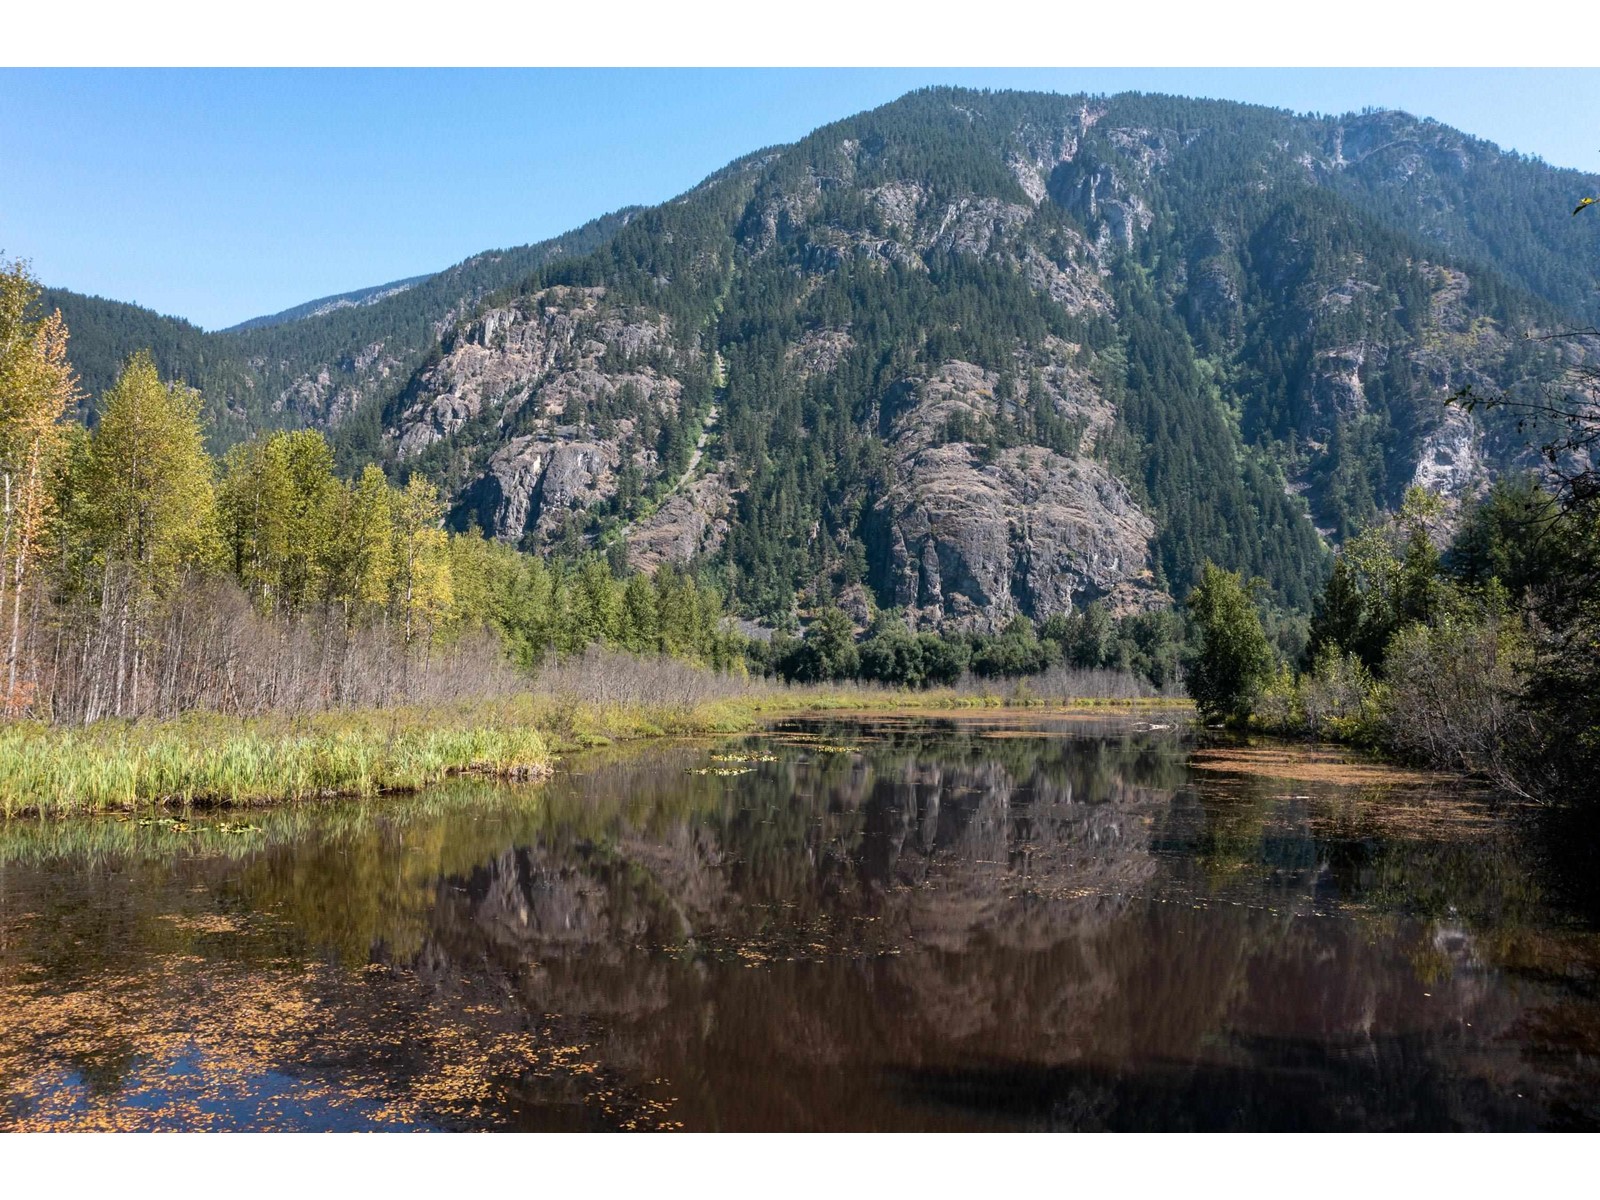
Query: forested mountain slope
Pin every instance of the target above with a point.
(980, 354)
(301, 368)
(106, 332)
(360, 298)
(970, 354)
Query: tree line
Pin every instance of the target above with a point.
(143, 575)
(1147, 646)
(111, 537)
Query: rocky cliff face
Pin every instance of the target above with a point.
(691, 524)
(978, 538)
(524, 382)
(539, 355)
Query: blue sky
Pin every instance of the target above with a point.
(222, 195)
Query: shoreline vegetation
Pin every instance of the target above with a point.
(1463, 645)
(207, 759)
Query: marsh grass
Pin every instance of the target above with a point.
(208, 759)
(200, 759)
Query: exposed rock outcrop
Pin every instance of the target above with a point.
(691, 522)
(542, 352)
(533, 483)
(527, 377)
(1029, 531)
(1451, 462)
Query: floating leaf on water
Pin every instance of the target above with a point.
(172, 823)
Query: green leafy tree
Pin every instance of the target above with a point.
(422, 587)
(149, 508)
(252, 503)
(1514, 536)
(640, 630)
(1016, 650)
(828, 650)
(596, 604)
(892, 654)
(307, 566)
(1386, 576)
(37, 387)
(1093, 646)
(149, 485)
(363, 546)
(1234, 659)
(944, 660)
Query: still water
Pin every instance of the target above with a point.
(890, 923)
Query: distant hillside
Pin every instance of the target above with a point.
(317, 308)
(313, 369)
(103, 333)
(977, 354)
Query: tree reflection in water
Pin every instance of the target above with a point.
(899, 923)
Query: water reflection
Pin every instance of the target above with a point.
(897, 923)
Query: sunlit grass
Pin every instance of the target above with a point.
(206, 759)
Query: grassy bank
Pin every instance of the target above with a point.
(205, 759)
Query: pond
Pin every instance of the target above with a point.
(993, 922)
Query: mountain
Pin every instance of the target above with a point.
(103, 333)
(975, 354)
(309, 365)
(327, 304)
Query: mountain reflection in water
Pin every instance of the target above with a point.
(897, 923)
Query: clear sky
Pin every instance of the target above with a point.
(222, 195)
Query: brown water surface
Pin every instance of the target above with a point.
(860, 924)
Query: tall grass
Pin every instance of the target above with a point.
(601, 696)
(202, 759)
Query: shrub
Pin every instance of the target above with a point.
(1340, 699)
(1452, 699)
(1278, 708)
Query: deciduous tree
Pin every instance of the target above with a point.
(148, 505)
(1234, 660)
(37, 388)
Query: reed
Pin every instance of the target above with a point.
(222, 760)
(210, 760)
